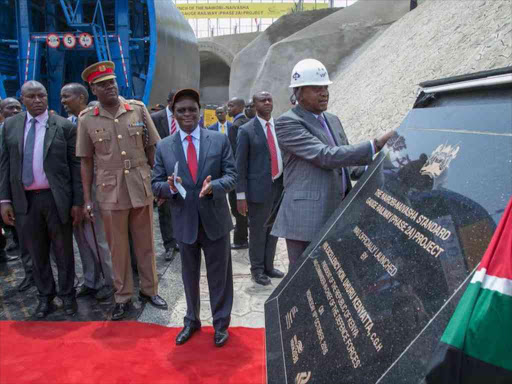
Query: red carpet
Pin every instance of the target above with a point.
(126, 353)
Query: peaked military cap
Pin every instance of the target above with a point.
(98, 72)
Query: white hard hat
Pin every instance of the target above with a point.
(309, 72)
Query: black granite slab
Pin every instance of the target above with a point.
(371, 296)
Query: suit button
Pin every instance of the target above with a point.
(103, 184)
(116, 121)
(126, 171)
(119, 136)
(100, 140)
(137, 133)
(123, 153)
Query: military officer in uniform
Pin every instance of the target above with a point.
(116, 139)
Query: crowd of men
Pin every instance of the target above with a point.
(97, 174)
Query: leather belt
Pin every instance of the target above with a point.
(37, 191)
(125, 164)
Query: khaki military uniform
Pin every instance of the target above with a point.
(123, 188)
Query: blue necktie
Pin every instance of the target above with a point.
(27, 176)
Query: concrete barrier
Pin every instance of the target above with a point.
(333, 39)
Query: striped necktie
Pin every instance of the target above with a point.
(173, 125)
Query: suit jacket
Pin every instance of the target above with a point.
(253, 163)
(233, 132)
(60, 164)
(215, 159)
(312, 172)
(161, 122)
(215, 127)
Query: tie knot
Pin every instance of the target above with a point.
(189, 138)
(268, 124)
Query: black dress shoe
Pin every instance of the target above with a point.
(84, 290)
(275, 273)
(5, 258)
(155, 301)
(170, 254)
(120, 311)
(104, 293)
(70, 305)
(44, 308)
(261, 279)
(220, 338)
(185, 334)
(26, 284)
(240, 246)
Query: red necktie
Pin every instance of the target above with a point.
(273, 151)
(173, 125)
(192, 158)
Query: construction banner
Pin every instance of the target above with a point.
(242, 10)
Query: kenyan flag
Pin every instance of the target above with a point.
(476, 347)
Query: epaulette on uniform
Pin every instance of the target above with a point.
(88, 109)
(136, 102)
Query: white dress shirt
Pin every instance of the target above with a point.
(241, 195)
(196, 139)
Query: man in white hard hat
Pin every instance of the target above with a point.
(316, 156)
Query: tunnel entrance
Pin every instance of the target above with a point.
(214, 80)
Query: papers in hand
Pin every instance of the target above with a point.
(178, 186)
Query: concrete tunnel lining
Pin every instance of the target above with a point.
(215, 62)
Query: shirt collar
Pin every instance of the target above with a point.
(169, 112)
(237, 116)
(41, 119)
(264, 122)
(196, 134)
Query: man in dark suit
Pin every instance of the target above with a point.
(222, 125)
(38, 168)
(236, 108)
(207, 172)
(166, 125)
(8, 107)
(260, 185)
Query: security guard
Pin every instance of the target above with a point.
(116, 139)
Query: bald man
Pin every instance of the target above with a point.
(46, 200)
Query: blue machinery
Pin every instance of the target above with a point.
(52, 41)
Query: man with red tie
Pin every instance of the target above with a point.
(201, 218)
(260, 184)
(166, 125)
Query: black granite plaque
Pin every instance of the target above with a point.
(370, 298)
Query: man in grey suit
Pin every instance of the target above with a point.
(41, 191)
(201, 219)
(316, 156)
(260, 185)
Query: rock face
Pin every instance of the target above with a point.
(249, 60)
(438, 39)
(266, 64)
